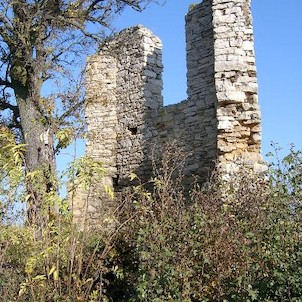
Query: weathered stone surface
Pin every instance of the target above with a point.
(220, 120)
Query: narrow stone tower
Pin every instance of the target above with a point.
(219, 123)
(222, 75)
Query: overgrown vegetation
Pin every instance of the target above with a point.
(224, 241)
(234, 241)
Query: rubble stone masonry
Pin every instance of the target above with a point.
(218, 124)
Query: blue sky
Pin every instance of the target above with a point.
(278, 45)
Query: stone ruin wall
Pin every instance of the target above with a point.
(219, 122)
(238, 113)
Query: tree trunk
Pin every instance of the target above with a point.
(39, 157)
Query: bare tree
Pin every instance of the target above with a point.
(39, 40)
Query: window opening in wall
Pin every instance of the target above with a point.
(115, 181)
(133, 130)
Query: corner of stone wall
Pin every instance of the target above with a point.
(123, 96)
(93, 205)
(200, 111)
(238, 112)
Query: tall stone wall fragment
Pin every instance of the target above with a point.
(238, 113)
(219, 123)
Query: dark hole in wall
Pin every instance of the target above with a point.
(115, 181)
(133, 130)
(39, 152)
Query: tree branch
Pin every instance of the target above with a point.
(68, 112)
(5, 105)
(16, 114)
(5, 83)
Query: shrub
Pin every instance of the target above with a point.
(232, 241)
(62, 263)
(238, 240)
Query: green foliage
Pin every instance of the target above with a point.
(64, 265)
(65, 137)
(238, 240)
(84, 171)
(286, 174)
(12, 175)
(233, 241)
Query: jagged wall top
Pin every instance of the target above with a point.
(221, 117)
(218, 123)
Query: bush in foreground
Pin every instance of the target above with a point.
(231, 241)
(227, 241)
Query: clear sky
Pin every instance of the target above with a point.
(278, 45)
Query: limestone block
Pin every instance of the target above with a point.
(227, 19)
(250, 87)
(256, 137)
(236, 42)
(249, 115)
(224, 124)
(221, 29)
(225, 148)
(248, 45)
(232, 96)
(222, 44)
(229, 66)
